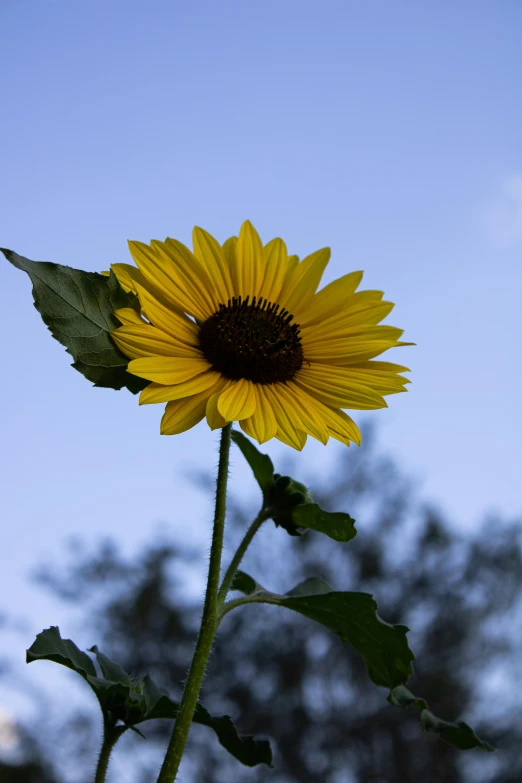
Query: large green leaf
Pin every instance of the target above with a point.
(460, 735)
(311, 586)
(50, 646)
(133, 701)
(261, 464)
(335, 524)
(383, 647)
(354, 617)
(78, 308)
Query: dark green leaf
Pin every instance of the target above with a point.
(261, 464)
(50, 646)
(311, 586)
(110, 670)
(383, 647)
(244, 583)
(133, 701)
(138, 732)
(403, 698)
(460, 735)
(123, 701)
(335, 524)
(354, 617)
(78, 308)
(284, 494)
(246, 749)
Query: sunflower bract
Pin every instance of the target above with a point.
(239, 332)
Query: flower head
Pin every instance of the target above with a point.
(239, 333)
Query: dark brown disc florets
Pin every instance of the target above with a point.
(253, 340)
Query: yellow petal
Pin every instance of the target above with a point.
(362, 333)
(340, 425)
(291, 266)
(128, 276)
(335, 387)
(299, 289)
(248, 269)
(210, 253)
(296, 440)
(182, 415)
(159, 392)
(214, 418)
(351, 336)
(287, 431)
(191, 273)
(238, 401)
(345, 352)
(381, 367)
(276, 266)
(262, 425)
(229, 249)
(161, 272)
(331, 299)
(127, 315)
(301, 409)
(166, 370)
(145, 340)
(168, 319)
(360, 314)
(383, 377)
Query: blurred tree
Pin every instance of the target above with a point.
(279, 675)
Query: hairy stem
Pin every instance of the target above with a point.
(209, 624)
(242, 548)
(111, 735)
(263, 598)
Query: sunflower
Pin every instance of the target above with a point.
(239, 332)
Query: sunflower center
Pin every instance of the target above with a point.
(253, 340)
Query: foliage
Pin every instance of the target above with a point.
(351, 615)
(78, 309)
(289, 502)
(295, 682)
(132, 701)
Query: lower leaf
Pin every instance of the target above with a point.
(133, 701)
(460, 735)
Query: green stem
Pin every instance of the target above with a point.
(209, 624)
(265, 598)
(242, 548)
(111, 735)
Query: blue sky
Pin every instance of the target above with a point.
(388, 131)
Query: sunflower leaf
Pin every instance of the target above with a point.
(311, 586)
(50, 646)
(290, 505)
(261, 464)
(133, 701)
(354, 617)
(246, 749)
(335, 524)
(244, 583)
(383, 647)
(460, 735)
(78, 309)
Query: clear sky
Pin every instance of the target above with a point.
(388, 131)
